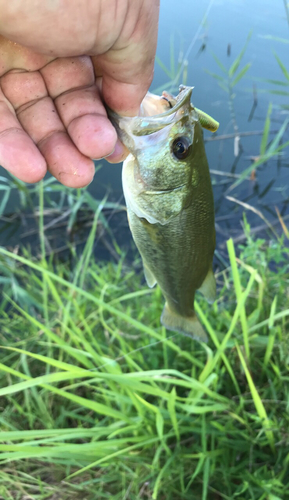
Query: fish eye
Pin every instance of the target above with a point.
(181, 148)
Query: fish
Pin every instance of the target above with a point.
(170, 206)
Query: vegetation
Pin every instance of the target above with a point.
(99, 401)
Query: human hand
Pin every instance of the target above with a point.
(59, 62)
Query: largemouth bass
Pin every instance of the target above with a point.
(170, 206)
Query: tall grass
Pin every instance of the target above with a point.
(99, 401)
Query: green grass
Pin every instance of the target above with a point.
(99, 401)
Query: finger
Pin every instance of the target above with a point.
(18, 154)
(36, 113)
(71, 82)
(119, 154)
(127, 69)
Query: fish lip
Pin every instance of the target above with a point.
(183, 97)
(146, 125)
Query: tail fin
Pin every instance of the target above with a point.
(187, 325)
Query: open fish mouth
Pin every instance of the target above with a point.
(168, 109)
(164, 105)
(156, 113)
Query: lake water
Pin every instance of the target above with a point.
(199, 32)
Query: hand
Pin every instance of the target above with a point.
(59, 61)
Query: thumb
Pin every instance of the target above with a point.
(127, 68)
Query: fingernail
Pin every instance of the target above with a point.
(105, 156)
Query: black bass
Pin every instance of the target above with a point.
(170, 205)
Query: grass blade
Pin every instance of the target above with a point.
(266, 131)
(221, 66)
(241, 74)
(283, 68)
(235, 65)
(5, 199)
(274, 144)
(257, 402)
(238, 291)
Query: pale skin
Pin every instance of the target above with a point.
(60, 61)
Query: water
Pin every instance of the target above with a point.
(224, 32)
(229, 24)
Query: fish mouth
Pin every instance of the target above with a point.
(145, 123)
(173, 103)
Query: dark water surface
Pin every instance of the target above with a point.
(189, 38)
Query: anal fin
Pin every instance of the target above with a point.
(208, 287)
(187, 325)
(150, 279)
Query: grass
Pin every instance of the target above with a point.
(98, 401)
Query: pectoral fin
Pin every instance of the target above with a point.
(187, 325)
(150, 279)
(208, 287)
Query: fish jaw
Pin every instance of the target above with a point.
(146, 123)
